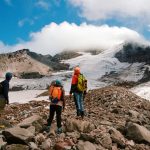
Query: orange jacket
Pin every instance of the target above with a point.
(74, 83)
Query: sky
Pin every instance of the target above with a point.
(51, 26)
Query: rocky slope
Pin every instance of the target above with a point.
(27, 64)
(116, 119)
(133, 53)
(20, 62)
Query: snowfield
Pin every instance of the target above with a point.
(142, 90)
(92, 66)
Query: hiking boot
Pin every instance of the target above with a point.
(82, 114)
(47, 128)
(78, 113)
(59, 130)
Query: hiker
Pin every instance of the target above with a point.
(4, 89)
(56, 96)
(78, 89)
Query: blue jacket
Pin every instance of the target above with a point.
(5, 89)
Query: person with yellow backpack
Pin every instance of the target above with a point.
(57, 104)
(78, 89)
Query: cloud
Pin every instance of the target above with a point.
(106, 9)
(54, 38)
(8, 2)
(42, 4)
(22, 22)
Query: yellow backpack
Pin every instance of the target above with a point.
(82, 83)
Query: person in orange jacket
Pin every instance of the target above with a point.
(56, 96)
(77, 95)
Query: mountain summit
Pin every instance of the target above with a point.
(24, 62)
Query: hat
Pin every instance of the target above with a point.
(58, 83)
(8, 75)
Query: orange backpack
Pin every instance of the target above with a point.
(55, 92)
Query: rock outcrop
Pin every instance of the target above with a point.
(116, 119)
(26, 64)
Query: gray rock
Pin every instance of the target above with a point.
(33, 146)
(133, 113)
(138, 133)
(117, 137)
(46, 144)
(63, 145)
(17, 135)
(39, 138)
(29, 121)
(73, 134)
(79, 125)
(87, 137)
(86, 146)
(105, 122)
(106, 141)
(17, 147)
(31, 129)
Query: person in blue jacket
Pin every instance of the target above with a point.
(4, 89)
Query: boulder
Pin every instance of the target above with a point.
(133, 113)
(64, 145)
(87, 137)
(46, 144)
(39, 139)
(17, 135)
(31, 129)
(138, 133)
(106, 141)
(33, 146)
(86, 146)
(29, 121)
(17, 147)
(117, 137)
(79, 125)
(73, 134)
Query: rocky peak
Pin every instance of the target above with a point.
(132, 52)
(29, 64)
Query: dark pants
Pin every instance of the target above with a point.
(58, 110)
(2, 104)
(78, 99)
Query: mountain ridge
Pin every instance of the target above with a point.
(24, 62)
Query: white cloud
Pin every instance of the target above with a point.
(43, 4)
(54, 38)
(22, 22)
(105, 9)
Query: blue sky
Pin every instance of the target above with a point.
(21, 21)
(20, 17)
